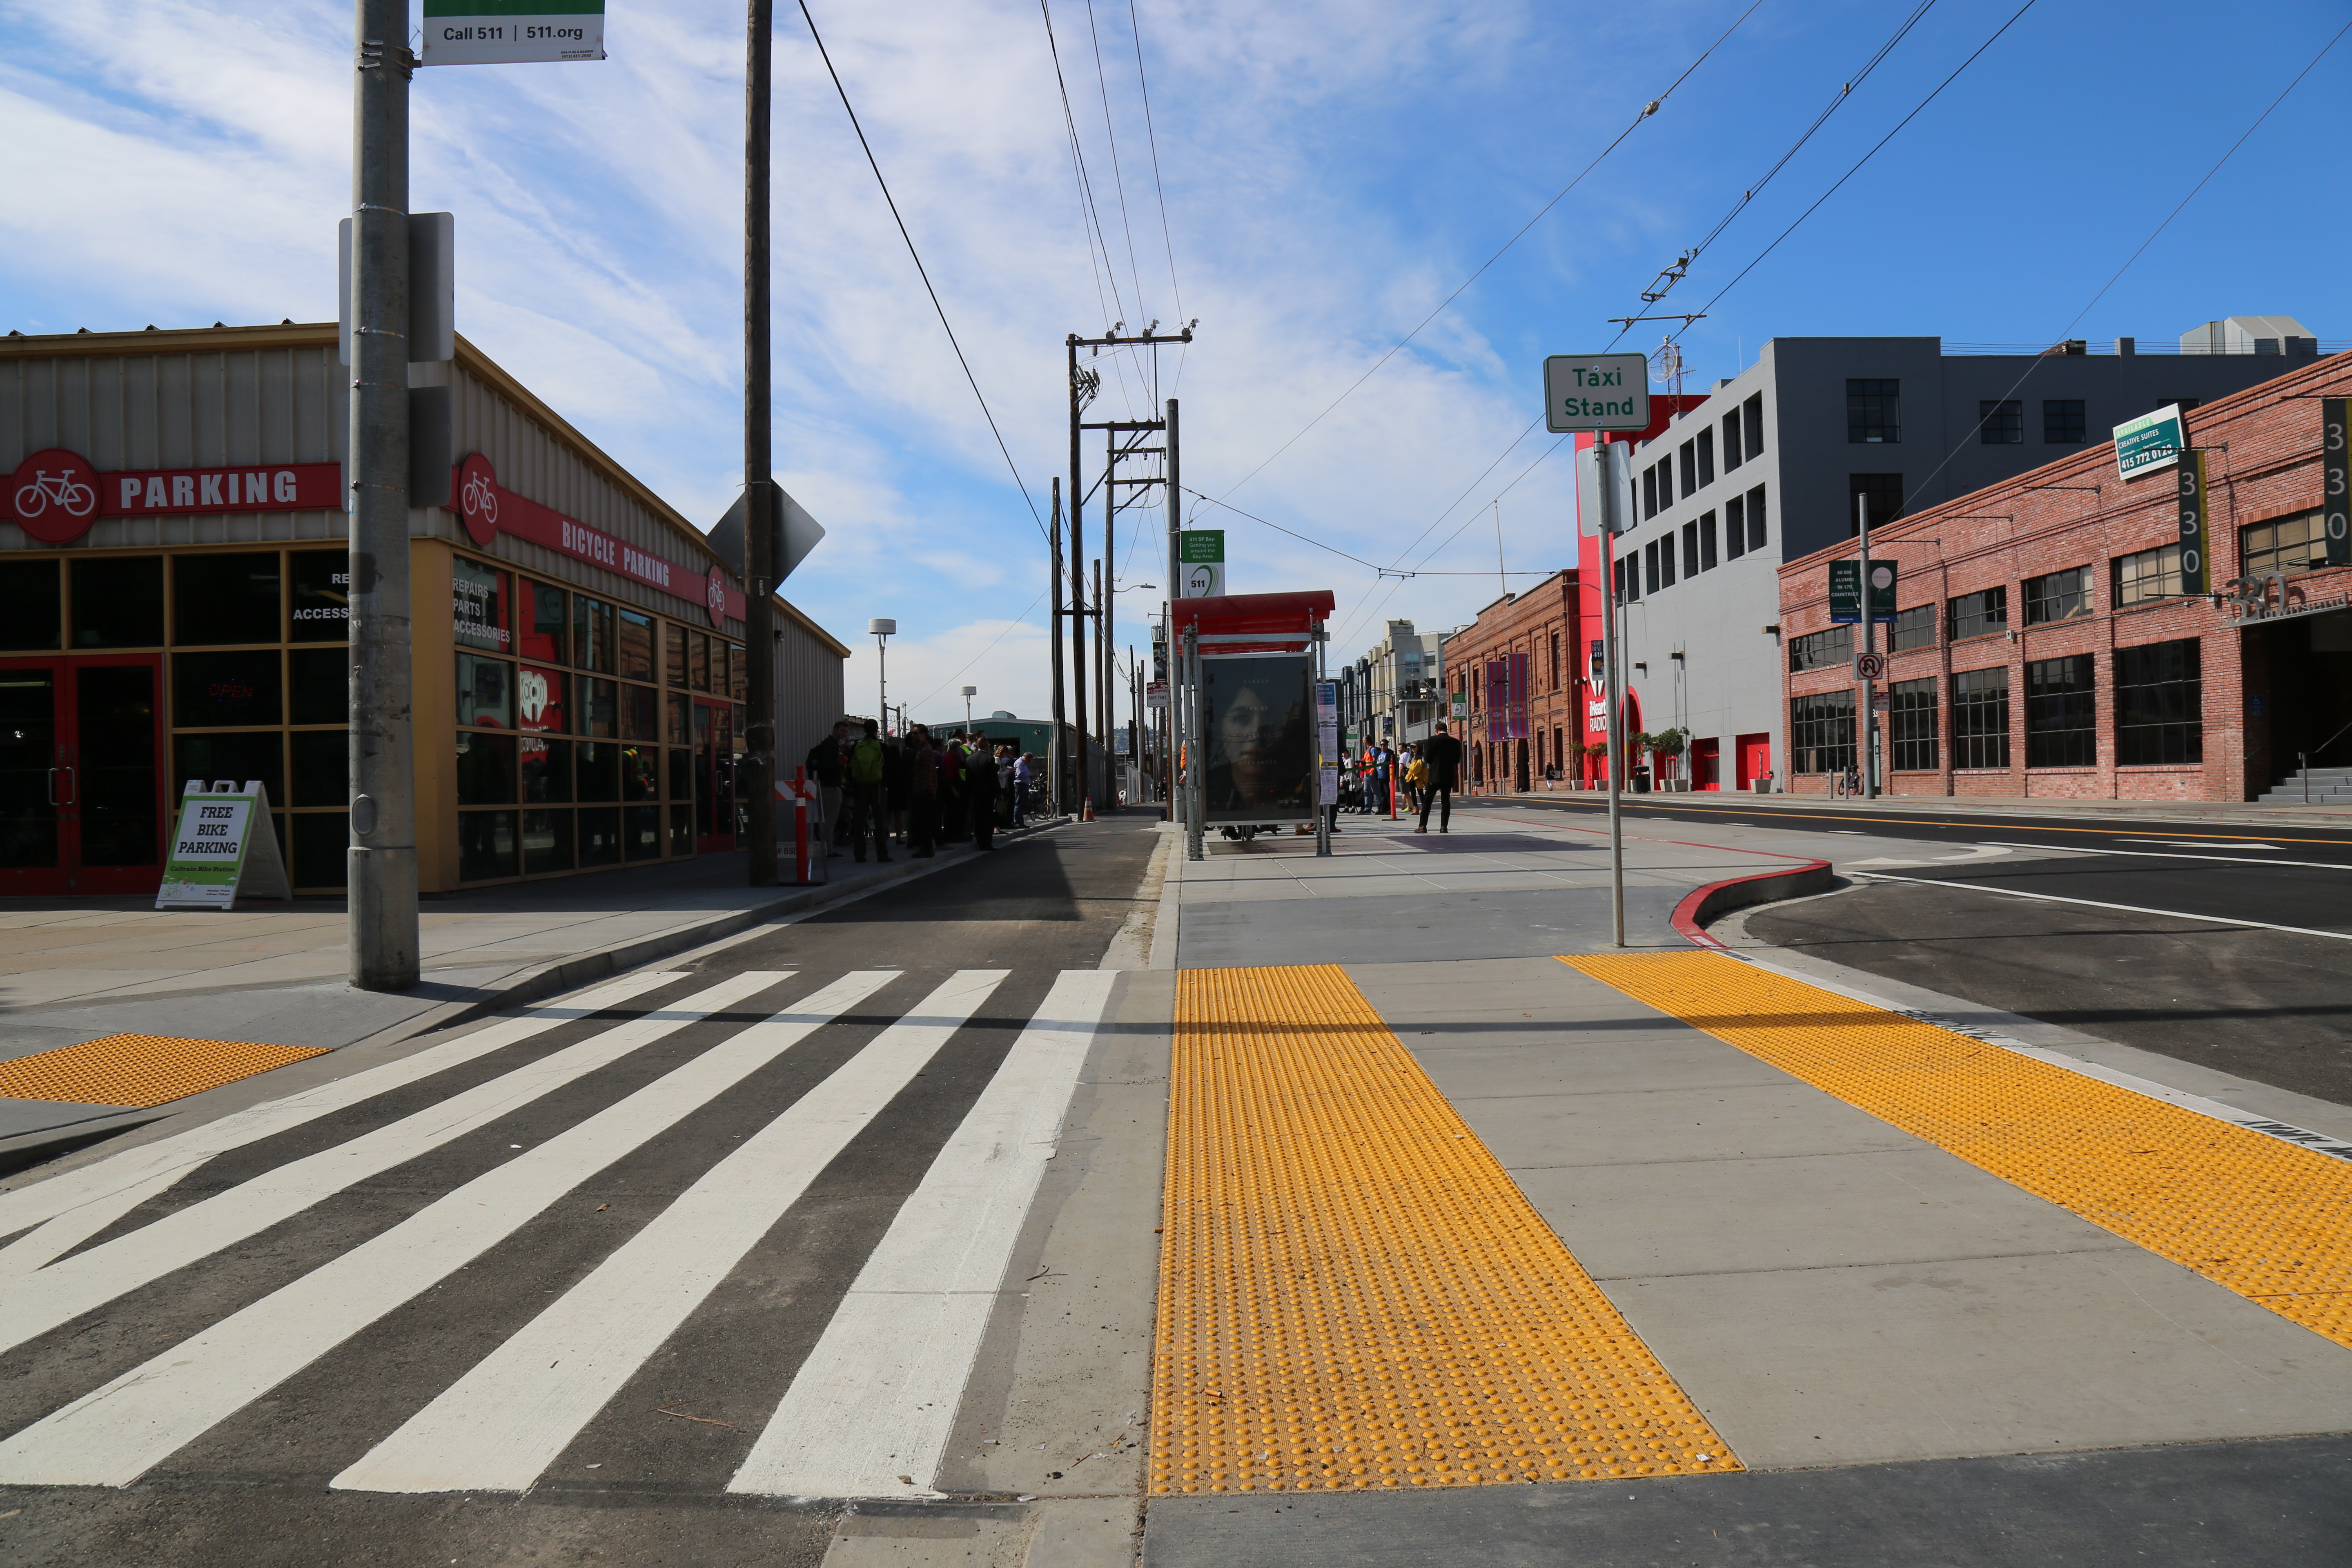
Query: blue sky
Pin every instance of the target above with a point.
(1332, 170)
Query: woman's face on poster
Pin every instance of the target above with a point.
(1248, 731)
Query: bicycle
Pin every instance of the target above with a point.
(69, 495)
(478, 499)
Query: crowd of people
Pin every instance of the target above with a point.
(1411, 778)
(918, 791)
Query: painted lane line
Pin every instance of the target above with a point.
(2163, 855)
(878, 1396)
(133, 1169)
(113, 1435)
(2101, 904)
(2286, 1131)
(63, 1291)
(2195, 843)
(501, 1425)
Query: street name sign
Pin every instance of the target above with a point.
(2150, 442)
(511, 32)
(1596, 392)
(1845, 592)
(1200, 552)
(225, 846)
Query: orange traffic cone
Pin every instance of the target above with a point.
(1087, 811)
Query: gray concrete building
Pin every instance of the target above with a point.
(1768, 466)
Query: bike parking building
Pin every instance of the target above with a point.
(174, 569)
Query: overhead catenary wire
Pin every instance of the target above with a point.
(1019, 620)
(1118, 178)
(1151, 139)
(1089, 212)
(872, 162)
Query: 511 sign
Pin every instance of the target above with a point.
(511, 32)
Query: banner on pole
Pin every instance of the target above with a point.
(511, 32)
(225, 846)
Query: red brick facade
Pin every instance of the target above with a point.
(2268, 687)
(1543, 623)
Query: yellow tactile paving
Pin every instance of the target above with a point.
(2262, 1217)
(1353, 1293)
(140, 1069)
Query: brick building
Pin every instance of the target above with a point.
(2054, 640)
(1518, 668)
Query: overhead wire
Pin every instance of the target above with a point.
(924, 272)
(1090, 211)
(1151, 137)
(1118, 179)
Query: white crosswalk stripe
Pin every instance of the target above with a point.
(41, 1300)
(501, 1424)
(878, 1396)
(83, 1202)
(879, 1389)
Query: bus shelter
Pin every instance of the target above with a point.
(1254, 721)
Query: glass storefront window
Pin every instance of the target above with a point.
(674, 725)
(36, 617)
(643, 827)
(674, 652)
(225, 691)
(225, 754)
(322, 841)
(682, 773)
(118, 601)
(637, 647)
(484, 691)
(600, 713)
(542, 631)
(225, 598)
(319, 686)
(539, 701)
(737, 677)
(485, 846)
(321, 607)
(546, 842)
(546, 769)
(322, 768)
(697, 661)
(598, 770)
(478, 607)
(592, 633)
(599, 829)
(640, 713)
(681, 830)
(640, 772)
(486, 770)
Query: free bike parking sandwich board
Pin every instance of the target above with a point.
(223, 846)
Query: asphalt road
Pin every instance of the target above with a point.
(228, 1362)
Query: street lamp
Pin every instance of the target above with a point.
(882, 629)
(968, 693)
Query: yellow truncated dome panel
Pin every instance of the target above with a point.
(139, 1070)
(1353, 1293)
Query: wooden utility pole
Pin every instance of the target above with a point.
(758, 790)
(1077, 588)
(1057, 752)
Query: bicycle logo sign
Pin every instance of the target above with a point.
(54, 495)
(716, 596)
(478, 500)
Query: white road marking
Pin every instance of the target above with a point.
(2160, 855)
(501, 1425)
(113, 1435)
(876, 1397)
(132, 1171)
(2198, 844)
(2101, 904)
(63, 1291)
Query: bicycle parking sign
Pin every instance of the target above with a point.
(53, 495)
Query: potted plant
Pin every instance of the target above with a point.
(1670, 746)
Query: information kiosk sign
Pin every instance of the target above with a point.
(223, 846)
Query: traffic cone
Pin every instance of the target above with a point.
(1087, 811)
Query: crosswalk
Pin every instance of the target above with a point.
(884, 1377)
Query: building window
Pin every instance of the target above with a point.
(2284, 544)
(1874, 410)
(1751, 419)
(1689, 455)
(1914, 627)
(2159, 704)
(1650, 565)
(1756, 518)
(1705, 458)
(1911, 725)
(1980, 613)
(1821, 650)
(2059, 597)
(1649, 493)
(2001, 422)
(1821, 732)
(1980, 718)
(1885, 493)
(2148, 575)
(2061, 718)
(1731, 459)
(2063, 422)
(1690, 550)
(1706, 541)
(1555, 661)
(1629, 578)
(1735, 527)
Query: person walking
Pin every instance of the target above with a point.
(922, 794)
(1416, 779)
(824, 764)
(1443, 752)
(1025, 777)
(979, 782)
(867, 768)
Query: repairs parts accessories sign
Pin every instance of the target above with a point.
(225, 846)
(1596, 392)
(55, 494)
(511, 32)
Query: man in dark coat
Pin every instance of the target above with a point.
(1443, 752)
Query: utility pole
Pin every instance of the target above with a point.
(1055, 752)
(1085, 788)
(1609, 523)
(1175, 588)
(1869, 645)
(1103, 710)
(758, 791)
(382, 927)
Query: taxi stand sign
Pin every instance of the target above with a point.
(225, 846)
(511, 32)
(1596, 392)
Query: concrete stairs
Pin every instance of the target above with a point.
(2332, 786)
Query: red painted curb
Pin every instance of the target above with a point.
(1703, 904)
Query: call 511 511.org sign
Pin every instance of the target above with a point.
(2152, 441)
(511, 32)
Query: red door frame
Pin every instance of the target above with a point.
(1750, 752)
(1706, 763)
(68, 876)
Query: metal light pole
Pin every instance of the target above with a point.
(382, 939)
(968, 693)
(757, 792)
(882, 629)
(1869, 645)
(1610, 522)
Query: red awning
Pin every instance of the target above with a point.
(1278, 613)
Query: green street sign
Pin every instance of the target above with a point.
(511, 32)
(2150, 442)
(1845, 592)
(1199, 545)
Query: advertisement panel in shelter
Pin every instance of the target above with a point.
(1261, 745)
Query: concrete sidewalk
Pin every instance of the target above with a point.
(79, 969)
(2275, 817)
